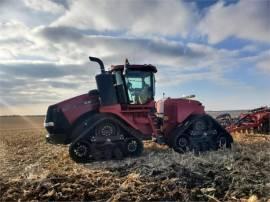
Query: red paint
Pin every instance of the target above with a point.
(137, 116)
(75, 107)
(251, 120)
(176, 110)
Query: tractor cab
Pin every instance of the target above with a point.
(135, 84)
(126, 84)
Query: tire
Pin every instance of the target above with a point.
(133, 147)
(80, 151)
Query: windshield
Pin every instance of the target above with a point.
(140, 85)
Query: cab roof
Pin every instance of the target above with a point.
(145, 67)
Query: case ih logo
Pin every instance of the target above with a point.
(74, 106)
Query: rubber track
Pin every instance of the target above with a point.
(129, 130)
(100, 118)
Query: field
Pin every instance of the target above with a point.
(31, 169)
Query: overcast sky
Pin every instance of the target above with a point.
(218, 50)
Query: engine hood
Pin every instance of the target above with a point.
(75, 107)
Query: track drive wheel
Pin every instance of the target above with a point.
(80, 151)
(181, 143)
(106, 129)
(134, 147)
(202, 124)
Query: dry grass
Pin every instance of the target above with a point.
(20, 122)
(32, 169)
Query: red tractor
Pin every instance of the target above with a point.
(112, 121)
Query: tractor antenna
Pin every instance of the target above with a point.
(126, 62)
(126, 65)
(99, 61)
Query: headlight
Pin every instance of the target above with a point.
(48, 124)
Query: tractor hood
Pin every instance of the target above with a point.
(74, 107)
(61, 117)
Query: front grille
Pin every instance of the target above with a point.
(56, 116)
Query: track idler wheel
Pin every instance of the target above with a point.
(134, 147)
(222, 141)
(181, 143)
(80, 151)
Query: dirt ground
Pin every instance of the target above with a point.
(31, 169)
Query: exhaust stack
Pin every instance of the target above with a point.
(99, 61)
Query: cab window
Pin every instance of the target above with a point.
(139, 86)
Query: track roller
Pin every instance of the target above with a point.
(133, 147)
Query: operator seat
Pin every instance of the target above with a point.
(144, 95)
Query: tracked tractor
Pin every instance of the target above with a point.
(112, 121)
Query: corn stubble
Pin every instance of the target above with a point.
(34, 170)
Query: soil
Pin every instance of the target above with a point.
(31, 169)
